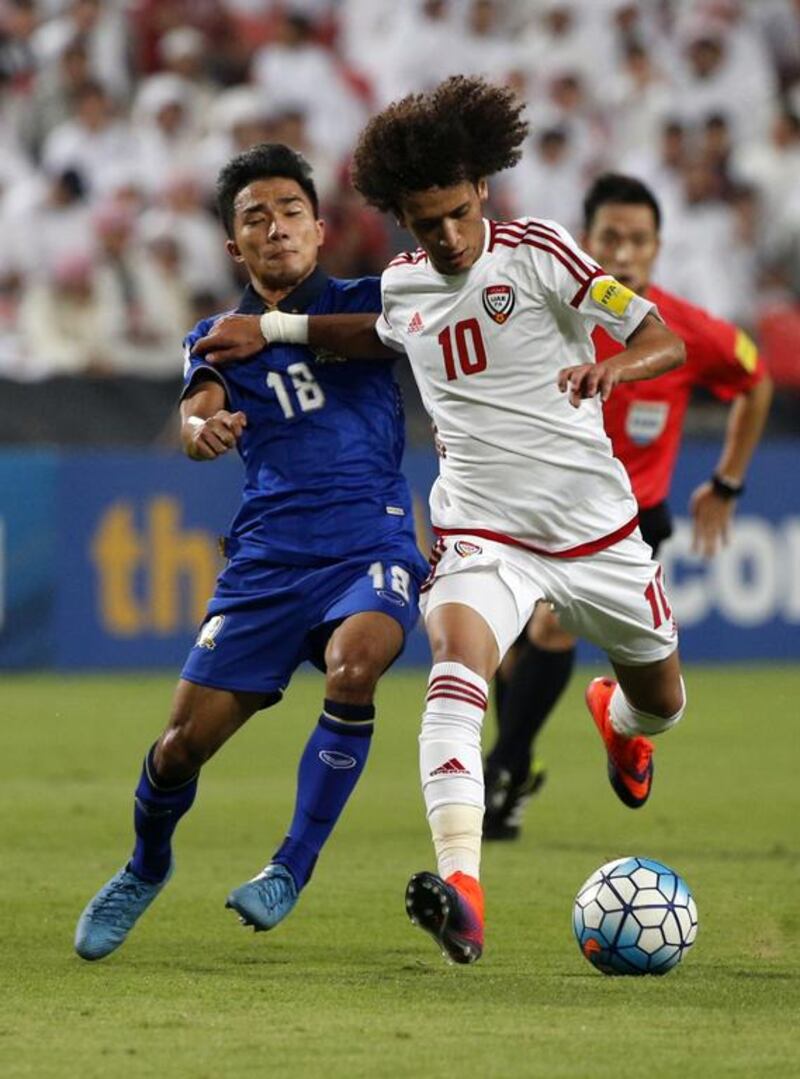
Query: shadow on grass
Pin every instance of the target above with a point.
(776, 853)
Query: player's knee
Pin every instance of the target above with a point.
(545, 631)
(550, 637)
(352, 677)
(478, 655)
(181, 753)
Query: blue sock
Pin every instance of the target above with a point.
(156, 813)
(330, 766)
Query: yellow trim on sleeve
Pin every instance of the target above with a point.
(746, 351)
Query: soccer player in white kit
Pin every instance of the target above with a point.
(530, 505)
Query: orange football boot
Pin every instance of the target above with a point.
(451, 911)
(630, 760)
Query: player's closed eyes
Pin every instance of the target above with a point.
(431, 225)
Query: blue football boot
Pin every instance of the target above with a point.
(265, 900)
(112, 913)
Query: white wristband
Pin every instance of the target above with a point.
(278, 326)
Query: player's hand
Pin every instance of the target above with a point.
(209, 439)
(587, 380)
(234, 337)
(711, 516)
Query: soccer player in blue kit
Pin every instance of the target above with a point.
(323, 565)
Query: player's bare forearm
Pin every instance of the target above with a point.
(352, 336)
(650, 351)
(208, 429)
(238, 337)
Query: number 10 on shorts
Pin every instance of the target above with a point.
(657, 598)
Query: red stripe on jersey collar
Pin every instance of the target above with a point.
(516, 230)
(577, 299)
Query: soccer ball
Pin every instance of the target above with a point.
(634, 916)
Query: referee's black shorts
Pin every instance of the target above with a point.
(655, 524)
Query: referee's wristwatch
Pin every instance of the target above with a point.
(726, 488)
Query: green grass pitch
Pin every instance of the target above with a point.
(346, 987)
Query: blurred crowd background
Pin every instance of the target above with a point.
(116, 115)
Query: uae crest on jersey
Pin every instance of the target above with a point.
(498, 302)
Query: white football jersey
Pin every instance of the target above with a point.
(517, 461)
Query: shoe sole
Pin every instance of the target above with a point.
(428, 906)
(250, 920)
(250, 915)
(623, 792)
(245, 917)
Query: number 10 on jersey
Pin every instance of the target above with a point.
(469, 352)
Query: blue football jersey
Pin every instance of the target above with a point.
(324, 438)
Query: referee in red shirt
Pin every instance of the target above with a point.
(644, 421)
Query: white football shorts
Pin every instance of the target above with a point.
(614, 598)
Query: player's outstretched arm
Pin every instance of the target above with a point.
(352, 336)
(208, 429)
(651, 350)
(236, 337)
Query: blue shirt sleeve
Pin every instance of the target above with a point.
(361, 294)
(195, 368)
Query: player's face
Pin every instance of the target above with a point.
(447, 222)
(275, 233)
(624, 240)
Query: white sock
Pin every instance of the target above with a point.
(451, 767)
(456, 832)
(629, 721)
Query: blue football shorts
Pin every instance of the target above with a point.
(264, 620)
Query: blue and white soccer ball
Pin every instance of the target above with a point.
(634, 916)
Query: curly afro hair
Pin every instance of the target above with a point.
(464, 129)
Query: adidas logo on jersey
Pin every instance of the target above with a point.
(415, 325)
(453, 767)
